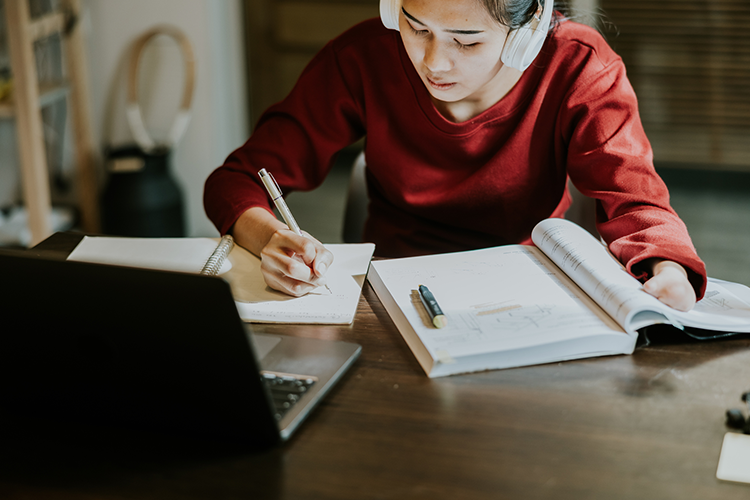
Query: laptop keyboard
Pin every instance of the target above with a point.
(286, 390)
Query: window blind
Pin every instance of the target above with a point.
(689, 62)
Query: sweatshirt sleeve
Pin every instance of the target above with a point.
(296, 140)
(610, 159)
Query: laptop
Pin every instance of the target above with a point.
(153, 350)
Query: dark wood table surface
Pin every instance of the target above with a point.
(645, 426)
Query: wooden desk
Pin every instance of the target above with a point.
(646, 426)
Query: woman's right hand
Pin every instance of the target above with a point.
(294, 264)
(290, 263)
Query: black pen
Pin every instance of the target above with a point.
(433, 309)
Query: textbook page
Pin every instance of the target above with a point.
(601, 276)
(724, 307)
(590, 264)
(503, 299)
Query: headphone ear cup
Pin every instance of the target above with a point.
(524, 44)
(516, 47)
(389, 12)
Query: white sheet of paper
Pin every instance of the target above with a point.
(258, 303)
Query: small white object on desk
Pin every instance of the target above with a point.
(734, 461)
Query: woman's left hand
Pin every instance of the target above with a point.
(669, 283)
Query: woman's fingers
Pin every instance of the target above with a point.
(294, 264)
(670, 285)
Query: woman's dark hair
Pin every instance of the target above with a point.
(516, 13)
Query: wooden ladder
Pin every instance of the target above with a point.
(29, 96)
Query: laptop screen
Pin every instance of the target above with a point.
(107, 345)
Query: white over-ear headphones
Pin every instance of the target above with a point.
(522, 45)
(389, 12)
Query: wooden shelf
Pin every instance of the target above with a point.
(29, 97)
(7, 110)
(48, 94)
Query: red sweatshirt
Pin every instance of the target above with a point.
(438, 186)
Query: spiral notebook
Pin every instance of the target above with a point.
(256, 302)
(218, 257)
(189, 255)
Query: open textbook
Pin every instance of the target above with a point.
(335, 303)
(517, 305)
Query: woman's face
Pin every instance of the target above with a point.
(455, 46)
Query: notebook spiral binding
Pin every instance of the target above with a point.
(213, 264)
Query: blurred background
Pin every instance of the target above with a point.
(688, 60)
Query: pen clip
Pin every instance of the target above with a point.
(274, 191)
(276, 184)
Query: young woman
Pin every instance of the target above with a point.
(473, 125)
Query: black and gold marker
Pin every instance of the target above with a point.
(433, 309)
